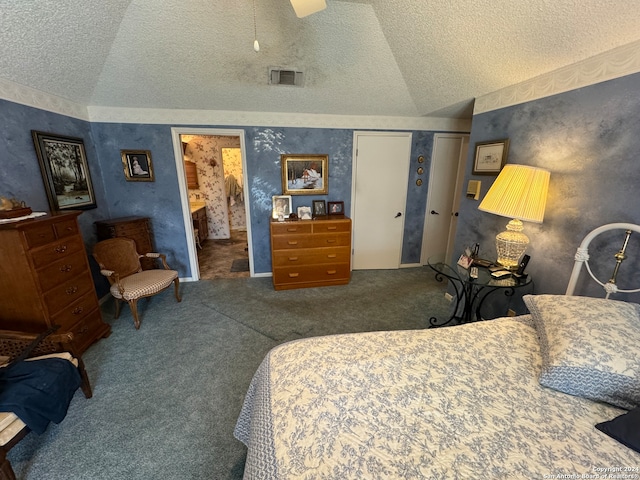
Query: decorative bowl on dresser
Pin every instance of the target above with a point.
(45, 279)
(311, 253)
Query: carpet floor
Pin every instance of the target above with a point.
(166, 397)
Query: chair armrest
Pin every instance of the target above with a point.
(14, 342)
(161, 256)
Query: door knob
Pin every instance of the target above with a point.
(433, 212)
(398, 215)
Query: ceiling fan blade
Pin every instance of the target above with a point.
(307, 7)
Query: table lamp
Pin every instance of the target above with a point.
(520, 193)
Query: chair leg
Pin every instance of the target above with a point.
(117, 315)
(6, 472)
(176, 285)
(85, 385)
(133, 304)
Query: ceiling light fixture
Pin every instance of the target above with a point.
(256, 45)
(307, 7)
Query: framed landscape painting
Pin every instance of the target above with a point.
(305, 174)
(65, 171)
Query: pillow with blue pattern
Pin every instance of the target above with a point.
(590, 347)
(625, 429)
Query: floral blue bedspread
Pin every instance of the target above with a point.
(458, 402)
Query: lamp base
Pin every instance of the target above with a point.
(511, 245)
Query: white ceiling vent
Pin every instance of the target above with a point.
(286, 76)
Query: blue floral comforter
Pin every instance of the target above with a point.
(459, 402)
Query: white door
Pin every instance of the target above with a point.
(380, 173)
(445, 182)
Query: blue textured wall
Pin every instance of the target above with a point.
(588, 138)
(160, 200)
(20, 174)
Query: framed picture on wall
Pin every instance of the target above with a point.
(490, 157)
(305, 174)
(65, 172)
(137, 165)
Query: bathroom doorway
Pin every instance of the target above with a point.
(214, 165)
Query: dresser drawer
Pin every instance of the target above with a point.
(39, 234)
(86, 329)
(43, 233)
(68, 292)
(75, 311)
(62, 270)
(311, 241)
(331, 227)
(312, 256)
(64, 228)
(311, 273)
(56, 250)
(290, 228)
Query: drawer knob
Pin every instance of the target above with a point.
(293, 259)
(332, 255)
(331, 240)
(332, 228)
(293, 275)
(292, 229)
(291, 242)
(61, 248)
(66, 268)
(78, 310)
(331, 272)
(71, 290)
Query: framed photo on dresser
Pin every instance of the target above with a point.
(335, 208)
(319, 208)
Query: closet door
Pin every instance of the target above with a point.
(381, 169)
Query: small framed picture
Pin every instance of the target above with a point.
(335, 208)
(304, 213)
(281, 207)
(490, 157)
(137, 165)
(319, 208)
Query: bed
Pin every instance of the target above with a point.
(516, 397)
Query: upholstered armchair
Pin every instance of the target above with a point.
(120, 263)
(15, 345)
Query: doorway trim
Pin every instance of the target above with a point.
(184, 192)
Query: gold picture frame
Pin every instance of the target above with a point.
(305, 174)
(137, 165)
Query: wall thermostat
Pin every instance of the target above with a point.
(473, 189)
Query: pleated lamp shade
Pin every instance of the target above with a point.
(519, 193)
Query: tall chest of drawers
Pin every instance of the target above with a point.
(136, 228)
(311, 253)
(45, 279)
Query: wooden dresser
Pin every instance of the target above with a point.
(136, 228)
(311, 253)
(45, 279)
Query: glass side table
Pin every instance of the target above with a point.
(471, 293)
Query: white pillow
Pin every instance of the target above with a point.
(590, 347)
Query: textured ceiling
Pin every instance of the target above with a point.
(361, 57)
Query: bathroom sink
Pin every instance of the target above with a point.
(196, 206)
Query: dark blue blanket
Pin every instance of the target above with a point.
(38, 391)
